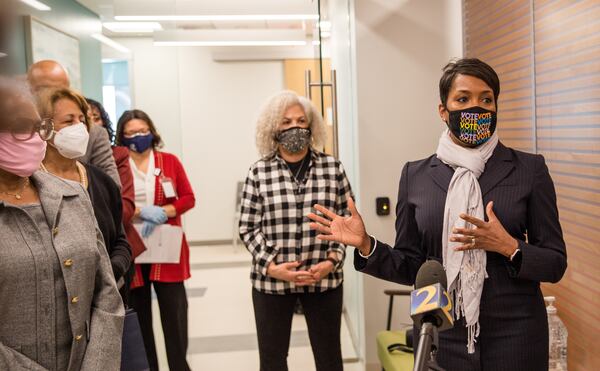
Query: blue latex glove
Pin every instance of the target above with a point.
(148, 228)
(154, 214)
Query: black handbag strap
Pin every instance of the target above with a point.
(400, 347)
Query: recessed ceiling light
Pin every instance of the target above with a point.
(230, 43)
(37, 5)
(132, 26)
(228, 17)
(110, 42)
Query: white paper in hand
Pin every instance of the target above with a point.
(163, 245)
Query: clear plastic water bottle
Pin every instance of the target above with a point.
(558, 338)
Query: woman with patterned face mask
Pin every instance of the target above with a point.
(68, 141)
(487, 212)
(289, 263)
(60, 306)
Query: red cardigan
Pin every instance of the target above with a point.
(171, 168)
(121, 156)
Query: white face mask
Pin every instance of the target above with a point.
(71, 142)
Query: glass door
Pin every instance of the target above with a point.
(328, 79)
(303, 73)
(334, 85)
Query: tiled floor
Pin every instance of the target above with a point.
(221, 319)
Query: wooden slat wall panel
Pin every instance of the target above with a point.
(499, 33)
(567, 65)
(560, 43)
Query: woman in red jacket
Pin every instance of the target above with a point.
(162, 194)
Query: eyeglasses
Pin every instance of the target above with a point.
(23, 129)
(138, 133)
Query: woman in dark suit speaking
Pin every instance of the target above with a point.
(487, 212)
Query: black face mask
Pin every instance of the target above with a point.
(294, 140)
(472, 126)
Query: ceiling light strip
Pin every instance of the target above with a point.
(230, 43)
(37, 5)
(214, 18)
(110, 42)
(132, 26)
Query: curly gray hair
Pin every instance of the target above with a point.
(272, 114)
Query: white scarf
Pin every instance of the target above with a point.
(465, 270)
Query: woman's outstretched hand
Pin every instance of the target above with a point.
(347, 230)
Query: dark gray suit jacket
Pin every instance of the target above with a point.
(99, 153)
(514, 328)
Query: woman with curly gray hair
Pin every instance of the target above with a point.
(289, 262)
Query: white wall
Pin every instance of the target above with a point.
(155, 88)
(219, 104)
(205, 112)
(401, 46)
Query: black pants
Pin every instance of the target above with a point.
(323, 312)
(172, 301)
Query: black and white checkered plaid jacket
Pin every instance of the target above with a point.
(273, 222)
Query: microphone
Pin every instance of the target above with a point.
(430, 301)
(430, 308)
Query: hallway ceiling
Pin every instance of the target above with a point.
(108, 9)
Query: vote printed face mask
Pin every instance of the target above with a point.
(472, 126)
(21, 158)
(294, 140)
(139, 143)
(71, 141)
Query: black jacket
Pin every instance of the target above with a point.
(514, 328)
(106, 200)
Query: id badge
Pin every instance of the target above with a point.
(168, 188)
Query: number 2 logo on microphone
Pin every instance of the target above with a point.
(424, 299)
(432, 299)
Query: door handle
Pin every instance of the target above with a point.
(309, 84)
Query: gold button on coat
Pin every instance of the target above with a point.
(68, 262)
(78, 337)
(75, 299)
(55, 231)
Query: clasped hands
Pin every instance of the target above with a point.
(152, 216)
(288, 272)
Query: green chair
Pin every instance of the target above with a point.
(392, 351)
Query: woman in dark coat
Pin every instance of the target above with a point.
(99, 117)
(487, 212)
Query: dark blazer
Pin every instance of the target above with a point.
(514, 327)
(106, 200)
(99, 153)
